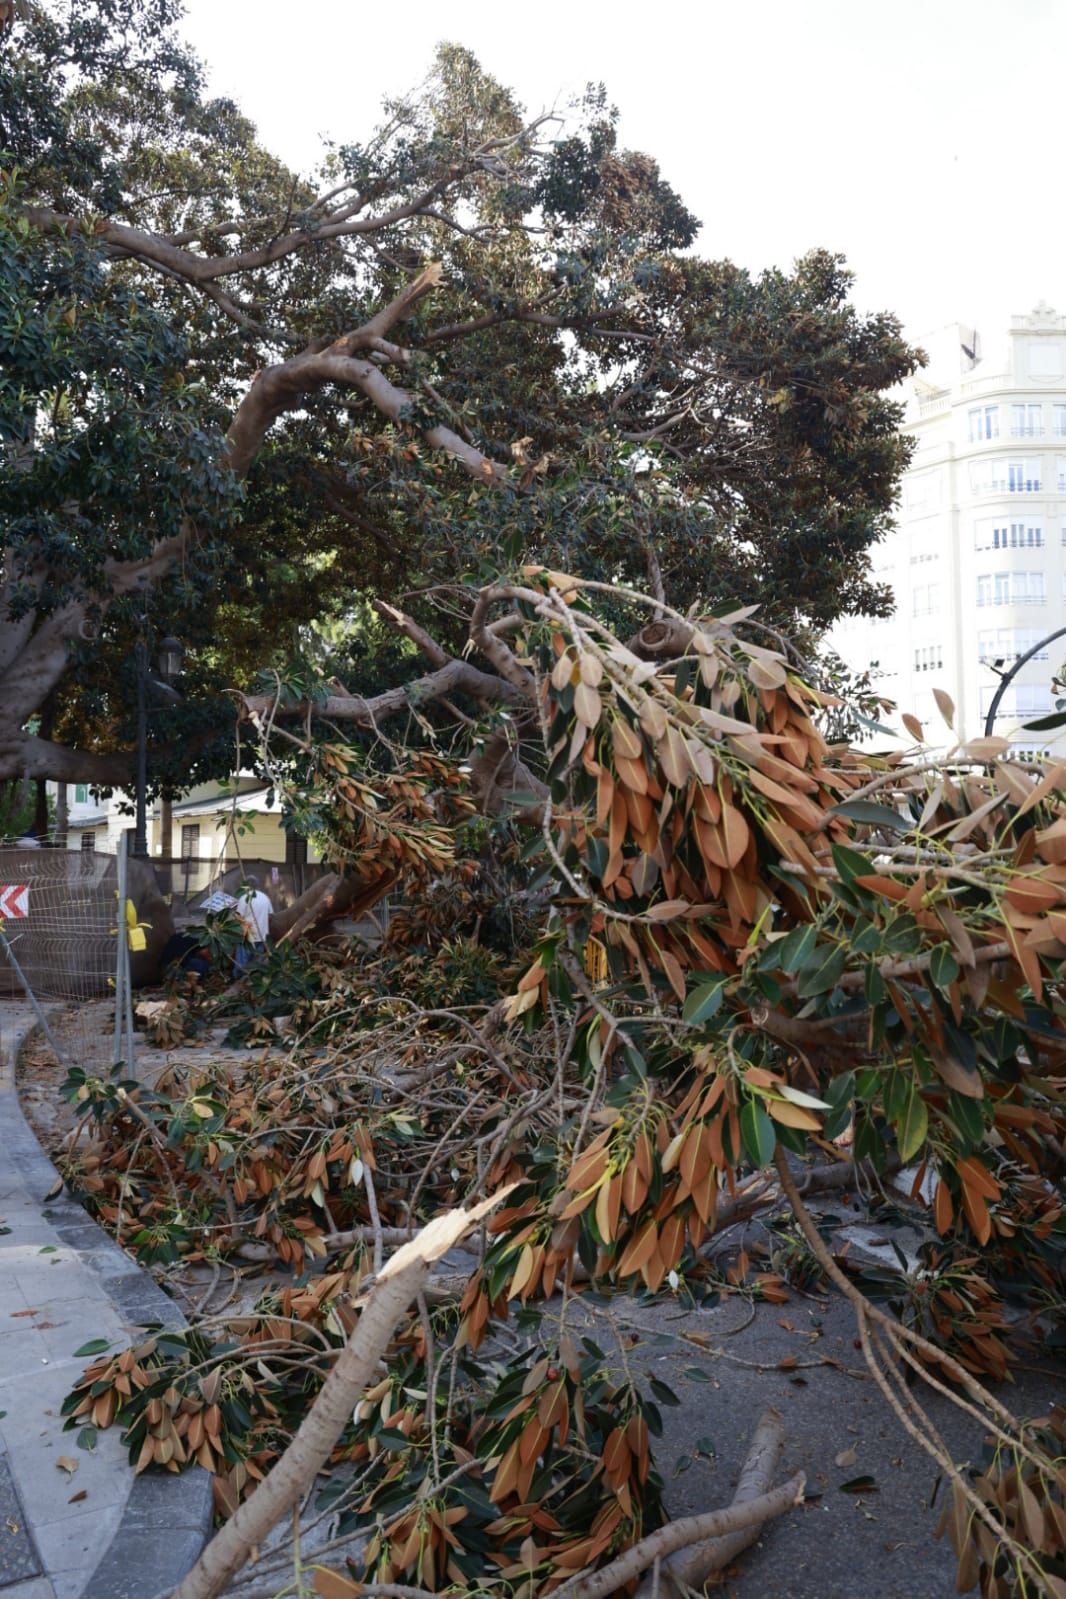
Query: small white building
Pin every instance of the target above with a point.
(978, 558)
(210, 824)
(93, 822)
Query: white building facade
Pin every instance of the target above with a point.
(978, 558)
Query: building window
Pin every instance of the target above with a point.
(88, 841)
(926, 599)
(1029, 752)
(930, 658)
(1007, 643)
(1020, 699)
(1058, 413)
(190, 841)
(1011, 588)
(1023, 477)
(984, 423)
(1009, 536)
(81, 790)
(1026, 421)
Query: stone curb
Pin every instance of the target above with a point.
(166, 1520)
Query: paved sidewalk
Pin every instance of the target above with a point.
(86, 1529)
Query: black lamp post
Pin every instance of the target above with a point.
(171, 657)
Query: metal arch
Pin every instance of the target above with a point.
(1008, 677)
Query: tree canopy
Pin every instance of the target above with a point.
(470, 337)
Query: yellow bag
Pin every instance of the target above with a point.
(135, 929)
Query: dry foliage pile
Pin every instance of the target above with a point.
(755, 940)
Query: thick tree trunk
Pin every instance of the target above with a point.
(332, 896)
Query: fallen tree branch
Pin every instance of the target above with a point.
(884, 1341)
(679, 1534)
(399, 1282)
(690, 1568)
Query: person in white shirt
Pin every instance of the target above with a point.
(254, 909)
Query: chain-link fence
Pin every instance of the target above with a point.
(58, 945)
(59, 918)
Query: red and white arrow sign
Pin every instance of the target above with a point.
(14, 900)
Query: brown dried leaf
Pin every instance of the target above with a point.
(626, 741)
(587, 704)
(945, 705)
(667, 910)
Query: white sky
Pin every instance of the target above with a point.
(922, 138)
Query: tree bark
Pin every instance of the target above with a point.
(688, 1569)
(677, 1534)
(332, 896)
(456, 677)
(62, 814)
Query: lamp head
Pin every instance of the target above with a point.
(171, 657)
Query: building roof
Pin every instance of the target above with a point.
(258, 800)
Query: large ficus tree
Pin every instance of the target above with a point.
(237, 396)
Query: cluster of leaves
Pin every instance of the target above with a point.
(756, 940)
(519, 1473)
(1031, 1504)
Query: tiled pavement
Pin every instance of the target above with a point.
(94, 1532)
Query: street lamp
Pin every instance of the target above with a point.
(171, 657)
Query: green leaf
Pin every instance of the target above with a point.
(850, 864)
(793, 952)
(839, 1094)
(874, 986)
(859, 1485)
(663, 1394)
(825, 976)
(872, 815)
(86, 1439)
(702, 1003)
(95, 1346)
(757, 1131)
(912, 1126)
(943, 967)
(1046, 724)
(696, 1373)
(874, 727)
